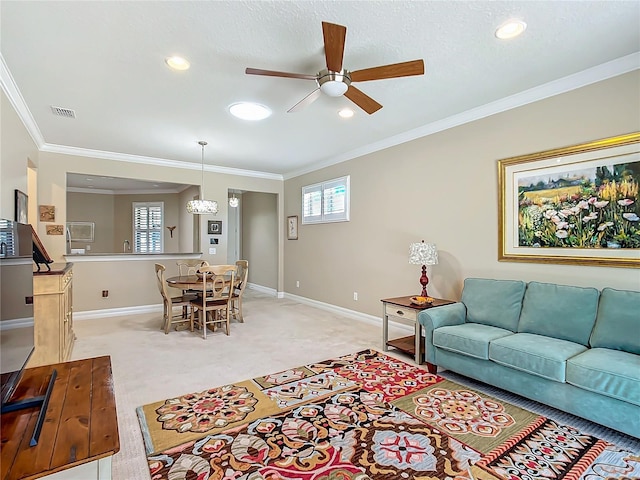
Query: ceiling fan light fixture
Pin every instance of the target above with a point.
(334, 88)
(510, 29)
(249, 111)
(346, 113)
(177, 63)
(334, 84)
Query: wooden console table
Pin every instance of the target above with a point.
(401, 307)
(80, 432)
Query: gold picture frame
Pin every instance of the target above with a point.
(577, 205)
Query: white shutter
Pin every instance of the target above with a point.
(312, 203)
(326, 202)
(148, 227)
(336, 200)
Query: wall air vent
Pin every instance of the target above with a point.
(63, 112)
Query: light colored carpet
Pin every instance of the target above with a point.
(277, 334)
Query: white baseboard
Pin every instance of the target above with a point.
(16, 323)
(115, 312)
(364, 317)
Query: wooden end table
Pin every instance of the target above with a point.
(401, 307)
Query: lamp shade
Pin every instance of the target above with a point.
(423, 254)
(202, 207)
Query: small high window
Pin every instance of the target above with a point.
(326, 202)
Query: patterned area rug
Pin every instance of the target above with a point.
(365, 416)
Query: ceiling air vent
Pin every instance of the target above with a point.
(63, 112)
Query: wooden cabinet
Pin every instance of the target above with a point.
(53, 315)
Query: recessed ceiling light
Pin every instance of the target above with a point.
(249, 111)
(510, 29)
(346, 113)
(177, 63)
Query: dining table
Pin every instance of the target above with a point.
(190, 282)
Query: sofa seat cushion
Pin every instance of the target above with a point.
(469, 339)
(612, 373)
(538, 355)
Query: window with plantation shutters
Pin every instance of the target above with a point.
(147, 227)
(326, 202)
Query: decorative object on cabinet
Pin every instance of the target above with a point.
(40, 254)
(292, 227)
(423, 254)
(202, 206)
(53, 315)
(21, 207)
(214, 227)
(47, 213)
(577, 205)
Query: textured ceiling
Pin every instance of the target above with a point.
(105, 61)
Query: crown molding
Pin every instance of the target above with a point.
(19, 105)
(592, 75)
(124, 157)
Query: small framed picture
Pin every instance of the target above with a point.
(214, 227)
(21, 207)
(292, 227)
(47, 213)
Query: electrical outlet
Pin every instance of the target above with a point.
(355, 295)
(212, 250)
(297, 283)
(105, 293)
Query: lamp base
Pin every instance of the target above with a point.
(424, 280)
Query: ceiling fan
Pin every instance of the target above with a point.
(336, 81)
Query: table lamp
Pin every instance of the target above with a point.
(423, 254)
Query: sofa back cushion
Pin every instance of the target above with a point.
(493, 302)
(618, 321)
(559, 311)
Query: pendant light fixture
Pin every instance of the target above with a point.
(233, 201)
(202, 206)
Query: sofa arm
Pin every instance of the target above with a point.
(432, 318)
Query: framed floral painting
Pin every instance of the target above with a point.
(575, 205)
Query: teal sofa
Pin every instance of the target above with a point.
(576, 349)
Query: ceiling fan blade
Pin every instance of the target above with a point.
(273, 73)
(404, 69)
(308, 100)
(334, 37)
(364, 101)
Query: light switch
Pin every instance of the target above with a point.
(212, 251)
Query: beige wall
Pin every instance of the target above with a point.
(259, 233)
(17, 149)
(96, 208)
(443, 189)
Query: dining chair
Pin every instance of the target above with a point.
(214, 304)
(169, 302)
(190, 267)
(242, 268)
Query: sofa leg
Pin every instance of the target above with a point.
(432, 368)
